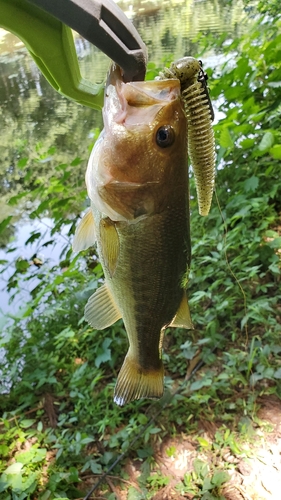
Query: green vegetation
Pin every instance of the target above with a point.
(60, 429)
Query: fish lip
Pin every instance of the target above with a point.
(131, 103)
(114, 75)
(114, 101)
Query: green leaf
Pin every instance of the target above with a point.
(198, 384)
(208, 495)
(5, 223)
(22, 265)
(219, 478)
(40, 426)
(76, 162)
(145, 473)
(46, 495)
(34, 236)
(15, 481)
(73, 475)
(198, 466)
(251, 184)
(4, 450)
(43, 206)
(154, 430)
(33, 455)
(276, 151)
(207, 485)
(22, 162)
(225, 139)
(134, 494)
(233, 93)
(203, 442)
(105, 355)
(96, 468)
(277, 374)
(142, 419)
(87, 440)
(276, 243)
(14, 468)
(145, 452)
(15, 199)
(266, 142)
(27, 422)
(30, 482)
(271, 234)
(247, 143)
(4, 484)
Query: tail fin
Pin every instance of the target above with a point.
(134, 382)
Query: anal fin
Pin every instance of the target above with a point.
(85, 233)
(101, 310)
(183, 319)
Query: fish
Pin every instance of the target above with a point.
(138, 184)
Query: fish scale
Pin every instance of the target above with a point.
(142, 248)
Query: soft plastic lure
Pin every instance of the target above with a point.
(199, 113)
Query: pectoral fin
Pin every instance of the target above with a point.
(109, 244)
(183, 319)
(101, 310)
(85, 233)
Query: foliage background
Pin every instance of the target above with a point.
(59, 426)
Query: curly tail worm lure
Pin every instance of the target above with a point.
(199, 112)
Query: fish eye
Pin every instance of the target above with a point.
(165, 136)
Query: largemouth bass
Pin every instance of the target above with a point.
(137, 181)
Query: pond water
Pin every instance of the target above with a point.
(39, 123)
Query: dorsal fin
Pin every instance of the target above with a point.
(183, 319)
(85, 233)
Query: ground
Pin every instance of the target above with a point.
(254, 472)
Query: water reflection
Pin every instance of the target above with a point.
(34, 254)
(35, 119)
(32, 112)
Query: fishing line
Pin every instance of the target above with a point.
(230, 269)
(188, 377)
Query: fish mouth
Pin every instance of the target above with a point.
(135, 103)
